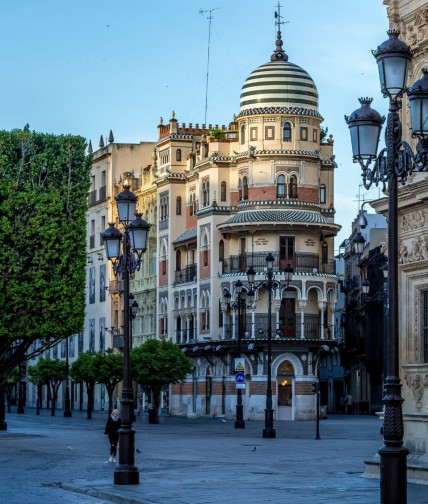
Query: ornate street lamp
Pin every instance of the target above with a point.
(269, 284)
(118, 249)
(397, 160)
(238, 305)
(359, 242)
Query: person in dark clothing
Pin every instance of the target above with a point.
(111, 431)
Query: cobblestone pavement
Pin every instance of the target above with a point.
(191, 461)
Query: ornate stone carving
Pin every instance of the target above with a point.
(417, 250)
(417, 384)
(414, 220)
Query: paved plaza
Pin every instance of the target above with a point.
(191, 461)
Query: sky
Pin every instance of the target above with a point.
(85, 67)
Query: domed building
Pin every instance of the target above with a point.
(246, 278)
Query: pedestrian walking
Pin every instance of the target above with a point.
(112, 427)
(349, 404)
(342, 404)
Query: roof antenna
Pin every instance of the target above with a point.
(279, 54)
(210, 18)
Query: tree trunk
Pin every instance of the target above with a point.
(9, 398)
(90, 392)
(53, 399)
(110, 391)
(156, 401)
(39, 398)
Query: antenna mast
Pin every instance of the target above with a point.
(278, 17)
(210, 18)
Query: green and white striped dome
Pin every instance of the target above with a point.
(279, 84)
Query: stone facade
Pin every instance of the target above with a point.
(411, 18)
(227, 196)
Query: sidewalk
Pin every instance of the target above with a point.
(192, 461)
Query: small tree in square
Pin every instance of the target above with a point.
(52, 372)
(159, 363)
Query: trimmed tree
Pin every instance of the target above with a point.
(108, 369)
(11, 382)
(83, 371)
(159, 363)
(52, 372)
(36, 377)
(44, 183)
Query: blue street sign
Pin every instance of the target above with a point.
(240, 378)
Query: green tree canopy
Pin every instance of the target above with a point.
(51, 372)
(108, 369)
(323, 133)
(158, 363)
(83, 371)
(44, 183)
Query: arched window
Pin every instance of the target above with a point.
(286, 132)
(223, 192)
(163, 261)
(205, 249)
(242, 135)
(293, 187)
(324, 252)
(205, 193)
(204, 201)
(178, 155)
(194, 204)
(191, 202)
(178, 205)
(322, 193)
(178, 260)
(221, 250)
(280, 184)
(244, 188)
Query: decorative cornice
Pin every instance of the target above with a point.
(280, 110)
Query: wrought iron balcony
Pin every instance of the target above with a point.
(311, 330)
(187, 274)
(301, 263)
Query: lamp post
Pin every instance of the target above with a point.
(67, 408)
(118, 248)
(133, 309)
(238, 305)
(316, 388)
(395, 161)
(269, 284)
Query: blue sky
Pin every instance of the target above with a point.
(85, 67)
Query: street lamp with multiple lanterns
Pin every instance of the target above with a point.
(269, 284)
(125, 251)
(238, 305)
(395, 161)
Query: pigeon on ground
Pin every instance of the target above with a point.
(69, 447)
(254, 449)
(137, 450)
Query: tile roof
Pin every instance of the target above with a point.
(189, 234)
(278, 215)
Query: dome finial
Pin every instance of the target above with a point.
(279, 54)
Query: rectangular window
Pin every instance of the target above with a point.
(286, 252)
(315, 135)
(425, 325)
(253, 133)
(269, 133)
(303, 133)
